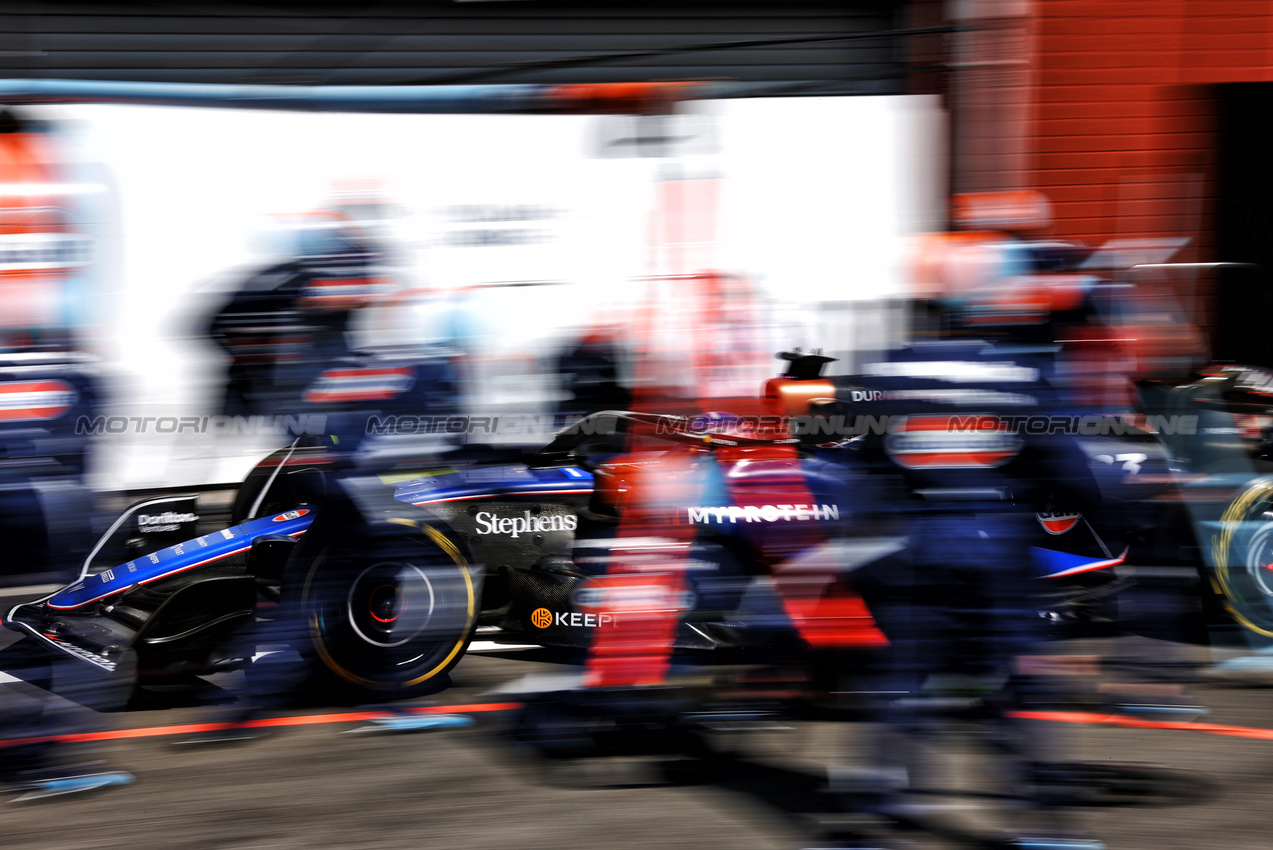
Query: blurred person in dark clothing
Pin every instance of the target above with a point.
(591, 370)
(285, 322)
(961, 609)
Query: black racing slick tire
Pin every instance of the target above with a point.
(390, 618)
(1242, 553)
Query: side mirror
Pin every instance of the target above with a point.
(804, 367)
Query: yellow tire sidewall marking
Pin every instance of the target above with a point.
(1230, 521)
(452, 552)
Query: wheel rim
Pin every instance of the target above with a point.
(389, 604)
(1259, 559)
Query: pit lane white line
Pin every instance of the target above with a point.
(32, 591)
(494, 646)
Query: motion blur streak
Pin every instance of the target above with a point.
(261, 723)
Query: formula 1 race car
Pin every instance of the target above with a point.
(388, 568)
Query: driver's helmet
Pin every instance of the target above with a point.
(1002, 274)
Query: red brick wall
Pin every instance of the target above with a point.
(1122, 127)
(1122, 138)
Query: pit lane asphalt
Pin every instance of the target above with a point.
(318, 785)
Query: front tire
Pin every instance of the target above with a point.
(1243, 558)
(389, 618)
